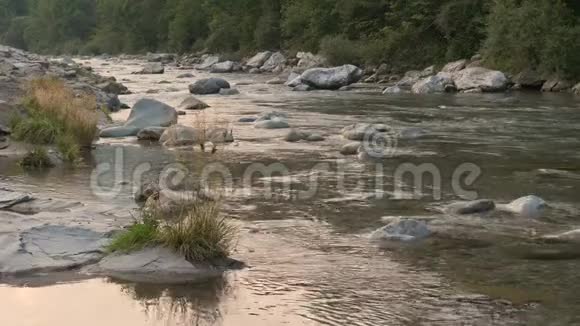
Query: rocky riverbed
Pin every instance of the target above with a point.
(321, 257)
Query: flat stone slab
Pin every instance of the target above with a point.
(10, 198)
(159, 265)
(50, 248)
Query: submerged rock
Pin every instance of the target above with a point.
(471, 207)
(403, 230)
(332, 78)
(360, 131)
(529, 206)
(350, 148)
(160, 265)
(145, 113)
(275, 123)
(192, 103)
(208, 86)
(50, 248)
(229, 91)
(10, 198)
(483, 79)
(566, 237)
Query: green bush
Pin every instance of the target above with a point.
(36, 158)
(339, 50)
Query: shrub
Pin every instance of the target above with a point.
(36, 158)
(57, 116)
(339, 51)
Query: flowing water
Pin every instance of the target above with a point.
(311, 262)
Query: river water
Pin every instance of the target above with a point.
(311, 261)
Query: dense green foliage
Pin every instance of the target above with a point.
(512, 34)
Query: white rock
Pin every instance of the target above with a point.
(405, 230)
(480, 78)
(529, 206)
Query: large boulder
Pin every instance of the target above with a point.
(145, 113)
(405, 230)
(556, 85)
(455, 66)
(225, 67)
(50, 248)
(192, 103)
(153, 68)
(208, 86)
(207, 62)
(529, 79)
(480, 78)
(440, 83)
(259, 59)
(332, 78)
(275, 61)
(160, 265)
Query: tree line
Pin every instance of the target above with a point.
(512, 35)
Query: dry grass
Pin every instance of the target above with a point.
(56, 116)
(211, 128)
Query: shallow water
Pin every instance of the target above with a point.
(311, 262)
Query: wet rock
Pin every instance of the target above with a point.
(471, 207)
(332, 78)
(556, 85)
(152, 69)
(224, 67)
(229, 91)
(179, 135)
(314, 137)
(529, 79)
(293, 80)
(302, 88)
(440, 83)
(113, 87)
(576, 89)
(295, 136)
(345, 89)
(272, 115)
(308, 60)
(360, 131)
(50, 248)
(145, 113)
(186, 75)
(192, 103)
(275, 61)
(566, 237)
(4, 142)
(259, 59)
(392, 90)
(275, 123)
(405, 230)
(529, 207)
(151, 133)
(480, 78)
(455, 66)
(276, 81)
(44, 205)
(247, 119)
(207, 62)
(350, 148)
(9, 198)
(208, 86)
(160, 265)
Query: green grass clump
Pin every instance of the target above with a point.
(55, 115)
(197, 232)
(36, 158)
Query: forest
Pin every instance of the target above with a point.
(512, 35)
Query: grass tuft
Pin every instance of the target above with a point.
(36, 158)
(138, 236)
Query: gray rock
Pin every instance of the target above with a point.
(410, 78)
(308, 60)
(160, 265)
(185, 75)
(302, 88)
(360, 131)
(440, 83)
(254, 71)
(4, 130)
(576, 89)
(275, 61)
(471, 207)
(345, 89)
(480, 78)
(145, 113)
(50, 248)
(207, 62)
(429, 71)
(247, 119)
(223, 67)
(392, 90)
(229, 91)
(259, 59)
(293, 80)
(192, 103)
(44, 205)
(350, 148)
(208, 86)
(275, 123)
(455, 66)
(529, 79)
(10, 198)
(332, 78)
(179, 135)
(272, 115)
(315, 137)
(160, 57)
(529, 207)
(566, 237)
(295, 136)
(153, 68)
(405, 230)
(151, 133)
(556, 85)
(276, 81)
(113, 87)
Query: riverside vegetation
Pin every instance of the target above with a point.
(542, 35)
